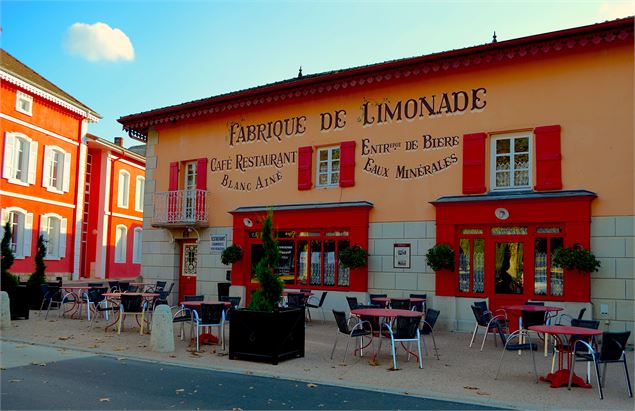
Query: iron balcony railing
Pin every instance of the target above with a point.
(180, 208)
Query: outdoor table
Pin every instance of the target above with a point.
(193, 305)
(560, 333)
(116, 296)
(518, 308)
(386, 300)
(385, 313)
(76, 291)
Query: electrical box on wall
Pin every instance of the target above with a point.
(604, 310)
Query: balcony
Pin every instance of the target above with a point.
(180, 208)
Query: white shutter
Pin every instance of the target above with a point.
(62, 245)
(46, 166)
(28, 234)
(7, 166)
(32, 166)
(67, 172)
(43, 227)
(4, 216)
(120, 190)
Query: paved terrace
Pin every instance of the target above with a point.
(461, 374)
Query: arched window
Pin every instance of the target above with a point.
(123, 189)
(21, 224)
(57, 167)
(53, 228)
(120, 244)
(136, 245)
(20, 159)
(138, 198)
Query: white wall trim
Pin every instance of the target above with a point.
(79, 211)
(121, 160)
(36, 199)
(40, 129)
(129, 217)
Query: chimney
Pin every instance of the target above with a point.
(119, 141)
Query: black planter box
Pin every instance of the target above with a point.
(18, 302)
(266, 336)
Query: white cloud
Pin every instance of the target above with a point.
(611, 11)
(97, 42)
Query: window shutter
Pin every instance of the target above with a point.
(201, 174)
(43, 227)
(174, 176)
(32, 166)
(474, 163)
(548, 158)
(120, 189)
(62, 243)
(46, 166)
(4, 216)
(66, 182)
(7, 166)
(28, 234)
(347, 164)
(305, 167)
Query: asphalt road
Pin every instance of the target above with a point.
(50, 379)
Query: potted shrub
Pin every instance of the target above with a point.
(18, 300)
(264, 331)
(440, 257)
(576, 258)
(38, 277)
(353, 257)
(231, 254)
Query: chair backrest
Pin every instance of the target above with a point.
(193, 298)
(212, 313)
(481, 304)
(481, 316)
(340, 319)
(45, 289)
(295, 300)
(400, 303)
(534, 303)
(581, 313)
(532, 318)
(95, 284)
(159, 286)
(96, 294)
(372, 297)
(430, 320)
(165, 293)
(114, 286)
(419, 305)
(613, 345)
(305, 290)
(352, 302)
(133, 288)
(235, 301)
(322, 298)
(132, 303)
(123, 286)
(406, 327)
(594, 324)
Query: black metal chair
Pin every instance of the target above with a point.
(359, 331)
(210, 315)
(371, 298)
(487, 320)
(427, 328)
(182, 314)
(611, 351)
(508, 346)
(101, 305)
(157, 287)
(313, 302)
(114, 286)
(93, 297)
(534, 303)
(234, 301)
(592, 324)
(400, 303)
(132, 305)
(295, 300)
(565, 319)
(419, 306)
(352, 302)
(402, 330)
(51, 295)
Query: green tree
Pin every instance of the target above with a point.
(267, 297)
(8, 279)
(39, 275)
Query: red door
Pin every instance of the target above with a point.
(188, 269)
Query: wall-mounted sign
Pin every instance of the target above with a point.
(218, 242)
(401, 256)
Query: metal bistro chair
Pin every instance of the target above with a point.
(313, 302)
(211, 315)
(404, 329)
(420, 306)
(183, 314)
(371, 298)
(593, 324)
(487, 320)
(235, 303)
(400, 303)
(132, 305)
(427, 327)
(359, 331)
(50, 295)
(93, 297)
(507, 346)
(611, 351)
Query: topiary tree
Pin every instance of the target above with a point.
(39, 275)
(8, 279)
(267, 297)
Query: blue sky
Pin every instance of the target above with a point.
(152, 54)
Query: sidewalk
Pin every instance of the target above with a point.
(462, 374)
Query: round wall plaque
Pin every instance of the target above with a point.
(501, 213)
(247, 222)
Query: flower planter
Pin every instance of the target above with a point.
(18, 302)
(266, 336)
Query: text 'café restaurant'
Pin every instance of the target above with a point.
(505, 151)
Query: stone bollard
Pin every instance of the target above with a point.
(5, 311)
(162, 336)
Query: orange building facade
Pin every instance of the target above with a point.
(505, 151)
(46, 183)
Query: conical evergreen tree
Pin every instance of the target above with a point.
(8, 279)
(39, 275)
(267, 297)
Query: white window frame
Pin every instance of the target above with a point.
(21, 97)
(121, 240)
(329, 162)
(136, 245)
(13, 162)
(62, 184)
(530, 163)
(56, 240)
(139, 193)
(123, 189)
(23, 233)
